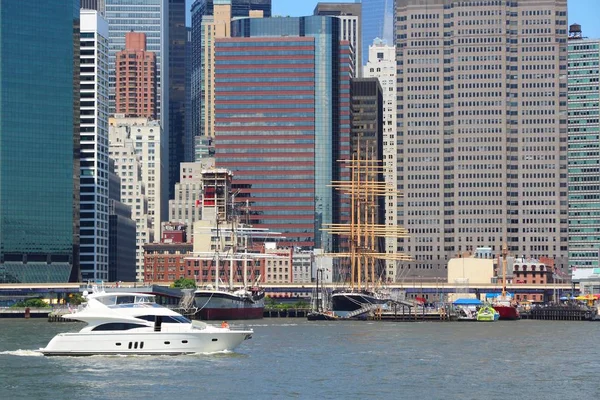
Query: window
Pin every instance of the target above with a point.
(117, 326)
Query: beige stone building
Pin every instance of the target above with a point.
(482, 129)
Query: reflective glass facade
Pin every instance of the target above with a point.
(584, 156)
(38, 82)
(282, 121)
(377, 22)
(179, 143)
(203, 10)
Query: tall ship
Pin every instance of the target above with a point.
(505, 304)
(363, 235)
(227, 271)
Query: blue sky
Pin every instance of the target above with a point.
(584, 12)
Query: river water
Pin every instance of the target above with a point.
(294, 358)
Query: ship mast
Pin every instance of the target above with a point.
(362, 230)
(504, 253)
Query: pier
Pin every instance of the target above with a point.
(559, 313)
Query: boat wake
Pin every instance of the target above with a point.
(23, 353)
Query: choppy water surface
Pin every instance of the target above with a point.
(294, 358)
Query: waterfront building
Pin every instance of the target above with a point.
(350, 28)
(377, 23)
(39, 141)
(283, 141)
(584, 154)
(135, 88)
(210, 20)
(94, 146)
(382, 65)
(482, 129)
(302, 262)
(136, 147)
(165, 262)
(121, 233)
(279, 267)
(184, 207)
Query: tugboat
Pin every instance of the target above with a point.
(504, 304)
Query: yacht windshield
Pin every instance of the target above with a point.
(121, 299)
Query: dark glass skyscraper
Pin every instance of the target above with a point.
(282, 121)
(178, 145)
(39, 129)
(378, 22)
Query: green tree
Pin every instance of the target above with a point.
(76, 299)
(31, 303)
(184, 283)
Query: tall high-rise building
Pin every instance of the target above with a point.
(211, 19)
(377, 22)
(39, 141)
(283, 138)
(382, 65)
(94, 146)
(121, 232)
(366, 138)
(138, 153)
(135, 88)
(181, 144)
(350, 29)
(482, 129)
(584, 154)
(151, 17)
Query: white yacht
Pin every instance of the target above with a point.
(132, 323)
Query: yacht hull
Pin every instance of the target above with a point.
(144, 343)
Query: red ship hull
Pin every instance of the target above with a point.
(507, 312)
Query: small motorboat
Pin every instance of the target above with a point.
(487, 314)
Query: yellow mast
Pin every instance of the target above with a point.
(362, 230)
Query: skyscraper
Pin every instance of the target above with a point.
(180, 144)
(584, 154)
(39, 137)
(282, 137)
(135, 88)
(94, 146)
(382, 65)
(135, 145)
(206, 26)
(350, 30)
(482, 129)
(151, 17)
(122, 233)
(377, 22)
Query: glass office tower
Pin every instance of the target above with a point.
(282, 122)
(378, 22)
(38, 113)
(584, 154)
(202, 12)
